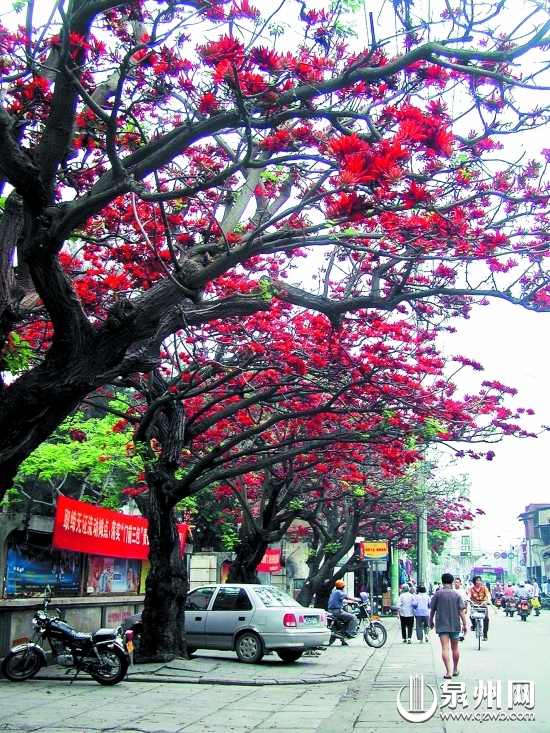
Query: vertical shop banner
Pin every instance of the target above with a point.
(271, 562)
(94, 530)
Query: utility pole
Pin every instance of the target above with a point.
(394, 580)
(422, 528)
(422, 547)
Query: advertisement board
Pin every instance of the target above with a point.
(112, 575)
(32, 564)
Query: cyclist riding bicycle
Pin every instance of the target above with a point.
(480, 595)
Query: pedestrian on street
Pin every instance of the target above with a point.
(535, 600)
(336, 607)
(405, 611)
(457, 585)
(421, 607)
(447, 607)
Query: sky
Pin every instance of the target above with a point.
(513, 345)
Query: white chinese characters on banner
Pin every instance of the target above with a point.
(104, 528)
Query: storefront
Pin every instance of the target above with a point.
(94, 560)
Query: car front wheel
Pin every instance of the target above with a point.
(289, 655)
(249, 648)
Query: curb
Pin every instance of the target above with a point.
(242, 683)
(352, 674)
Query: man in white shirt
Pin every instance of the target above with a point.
(535, 601)
(457, 586)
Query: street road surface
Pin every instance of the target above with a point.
(516, 652)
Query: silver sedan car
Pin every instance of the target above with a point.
(250, 620)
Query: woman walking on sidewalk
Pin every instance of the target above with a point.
(405, 612)
(421, 607)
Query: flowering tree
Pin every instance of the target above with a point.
(160, 182)
(284, 415)
(386, 507)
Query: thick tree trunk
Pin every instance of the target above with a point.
(249, 554)
(166, 585)
(318, 586)
(323, 593)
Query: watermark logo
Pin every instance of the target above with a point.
(454, 701)
(416, 712)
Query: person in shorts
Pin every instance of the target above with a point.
(447, 607)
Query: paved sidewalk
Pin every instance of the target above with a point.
(214, 692)
(333, 664)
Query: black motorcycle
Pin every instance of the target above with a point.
(101, 655)
(374, 633)
(338, 629)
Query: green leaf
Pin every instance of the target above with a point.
(16, 354)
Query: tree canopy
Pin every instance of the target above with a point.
(182, 161)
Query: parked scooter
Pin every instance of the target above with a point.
(524, 608)
(101, 655)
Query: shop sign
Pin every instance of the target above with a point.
(377, 550)
(84, 527)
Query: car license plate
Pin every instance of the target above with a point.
(311, 620)
(129, 646)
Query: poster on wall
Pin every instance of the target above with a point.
(112, 575)
(32, 564)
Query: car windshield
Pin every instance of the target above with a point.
(272, 597)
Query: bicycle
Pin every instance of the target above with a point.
(477, 614)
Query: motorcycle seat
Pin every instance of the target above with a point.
(81, 637)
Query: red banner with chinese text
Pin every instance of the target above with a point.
(271, 562)
(94, 530)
